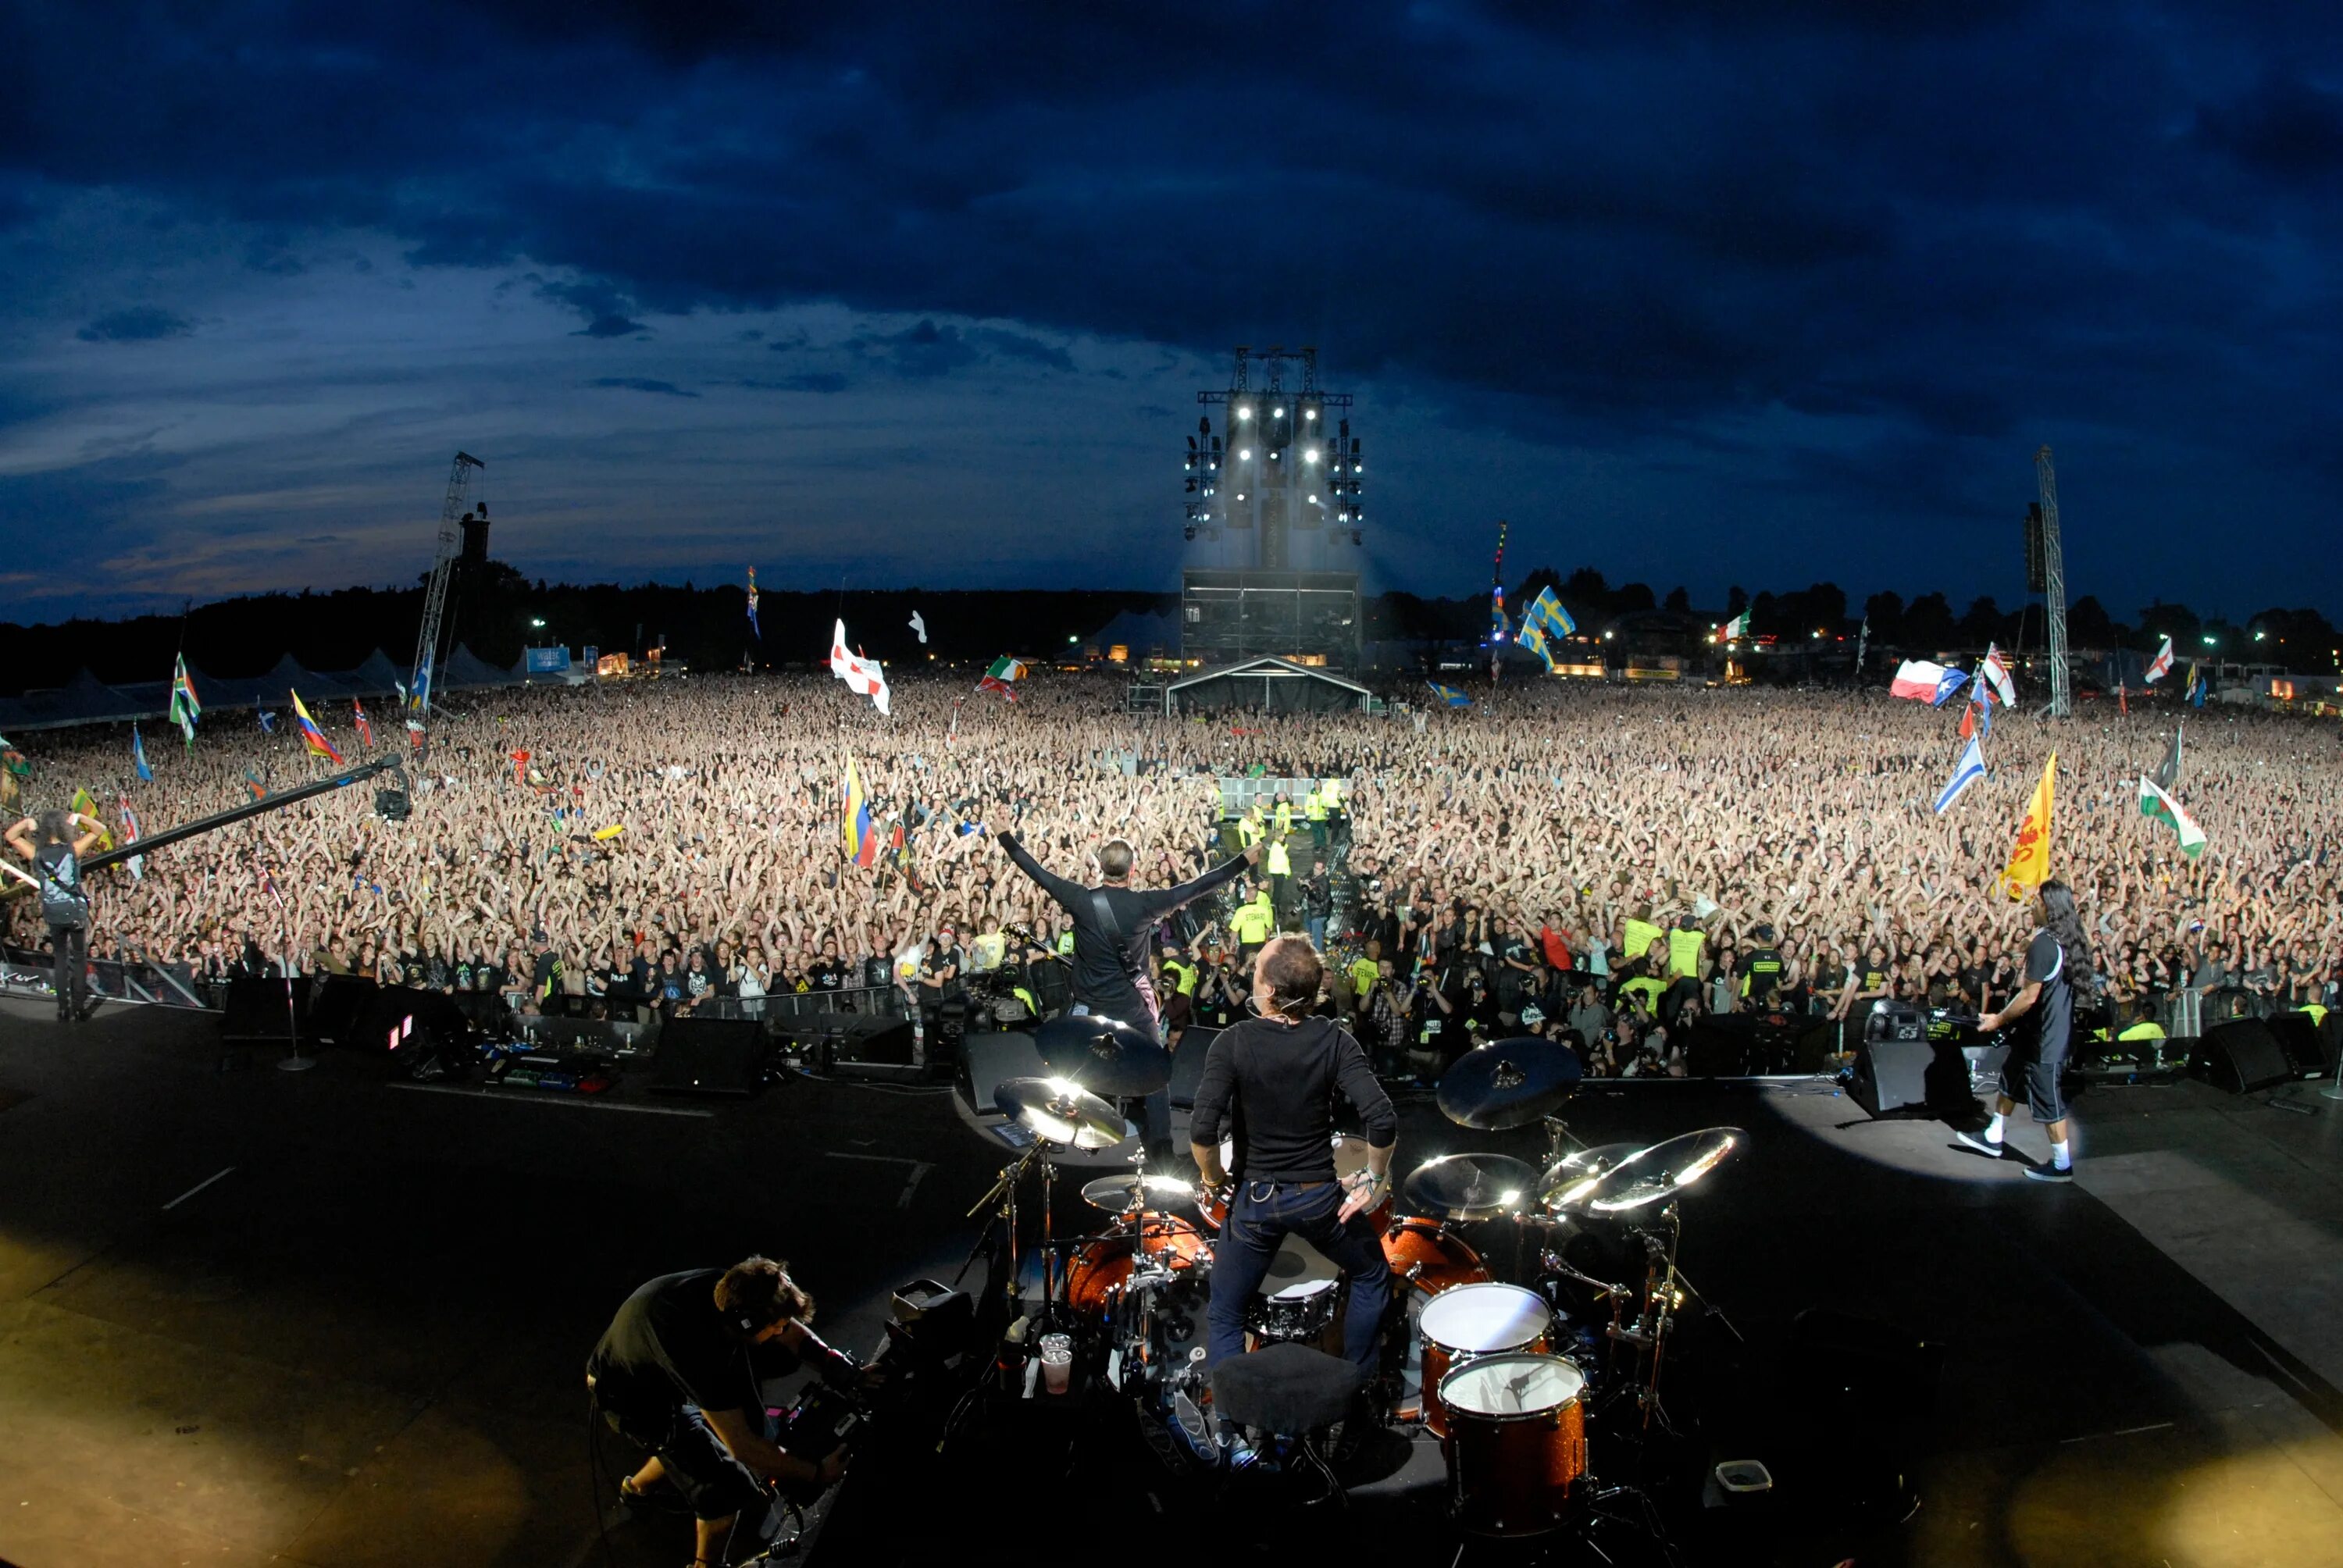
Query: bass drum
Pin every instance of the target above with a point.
(1425, 1259)
(1100, 1272)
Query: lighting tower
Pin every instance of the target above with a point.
(435, 597)
(2054, 585)
(1276, 494)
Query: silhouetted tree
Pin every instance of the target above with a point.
(2160, 620)
(1679, 600)
(1982, 623)
(1928, 622)
(1736, 599)
(2088, 624)
(1887, 612)
(1633, 597)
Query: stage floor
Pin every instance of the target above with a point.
(252, 1317)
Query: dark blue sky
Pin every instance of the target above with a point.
(1701, 293)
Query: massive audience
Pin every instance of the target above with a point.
(1607, 862)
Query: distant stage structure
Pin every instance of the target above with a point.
(1275, 518)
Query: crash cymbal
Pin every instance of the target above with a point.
(1508, 1082)
(1104, 1055)
(1120, 1194)
(1565, 1175)
(1654, 1174)
(1058, 1111)
(1470, 1186)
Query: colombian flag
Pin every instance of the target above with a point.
(862, 837)
(311, 735)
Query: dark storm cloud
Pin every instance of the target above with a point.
(1893, 235)
(642, 383)
(139, 323)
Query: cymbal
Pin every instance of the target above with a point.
(1104, 1055)
(1573, 1170)
(1120, 1194)
(1058, 1111)
(1470, 1186)
(1508, 1082)
(1661, 1171)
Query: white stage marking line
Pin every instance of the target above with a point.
(195, 1188)
(579, 1101)
(2125, 1431)
(920, 1167)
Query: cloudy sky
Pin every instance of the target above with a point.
(1701, 293)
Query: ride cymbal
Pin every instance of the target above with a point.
(1470, 1186)
(1508, 1082)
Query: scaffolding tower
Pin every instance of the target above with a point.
(435, 597)
(2054, 588)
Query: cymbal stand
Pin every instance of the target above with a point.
(1003, 1191)
(1649, 1331)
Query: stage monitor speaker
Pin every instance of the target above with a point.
(989, 1060)
(2298, 1036)
(423, 1033)
(876, 1047)
(487, 1011)
(258, 1012)
(334, 1014)
(1891, 1075)
(1753, 1045)
(1187, 1065)
(2241, 1057)
(723, 1057)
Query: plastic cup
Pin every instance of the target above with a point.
(1057, 1361)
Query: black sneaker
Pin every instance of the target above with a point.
(1977, 1142)
(2061, 1174)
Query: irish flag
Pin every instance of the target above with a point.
(1002, 676)
(2155, 804)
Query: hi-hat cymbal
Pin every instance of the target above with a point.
(1057, 1112)
(1651, 1175)
(1565, 1176)
(1104, 1055)
(1470, 1186)
(1132, 1189)
(1508, 1082)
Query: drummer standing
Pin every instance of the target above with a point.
(1271, 1080)
(1114, 936)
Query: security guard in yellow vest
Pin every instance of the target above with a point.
(1637, 934)
(1761, 971)
(1281, 882)
(1251, 925)
(1314, 811)
(1684, 951)
(1180, 974)
(1283, 815)
(1249, 826)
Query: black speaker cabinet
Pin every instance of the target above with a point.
(258, 1012)
(988, 1060)
(875, 1047)
(2298, 1036)
(423, 1033)
(721, 1057)
(2241, 1057)
(334, 1014)
(1891, 1075)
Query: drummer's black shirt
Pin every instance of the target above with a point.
(668, 1347)
(1275, 1086)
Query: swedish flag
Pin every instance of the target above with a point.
(1449, 694)
(1545, 624)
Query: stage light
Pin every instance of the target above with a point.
(538, 622)
(1310, 414)
(2259, 635)
(1245, 456)
(1244, 410)
(1279, 413)
(1310, 454)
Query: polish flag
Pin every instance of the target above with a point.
(860, 674)
(1919, 679)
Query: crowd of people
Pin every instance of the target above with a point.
(1560, 857)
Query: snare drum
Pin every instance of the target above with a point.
(1469, 1321)
(1299, 1301)
(1516, 1446)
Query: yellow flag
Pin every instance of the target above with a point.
(86, 804)
(2029, 861)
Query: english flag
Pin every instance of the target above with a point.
(2161, 665)
(1996, 675)
(860, 674)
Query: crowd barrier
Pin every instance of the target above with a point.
(127, 979)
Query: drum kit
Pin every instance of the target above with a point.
(1508, 1374)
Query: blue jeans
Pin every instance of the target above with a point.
(1317, 924)
(1260, 1216)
